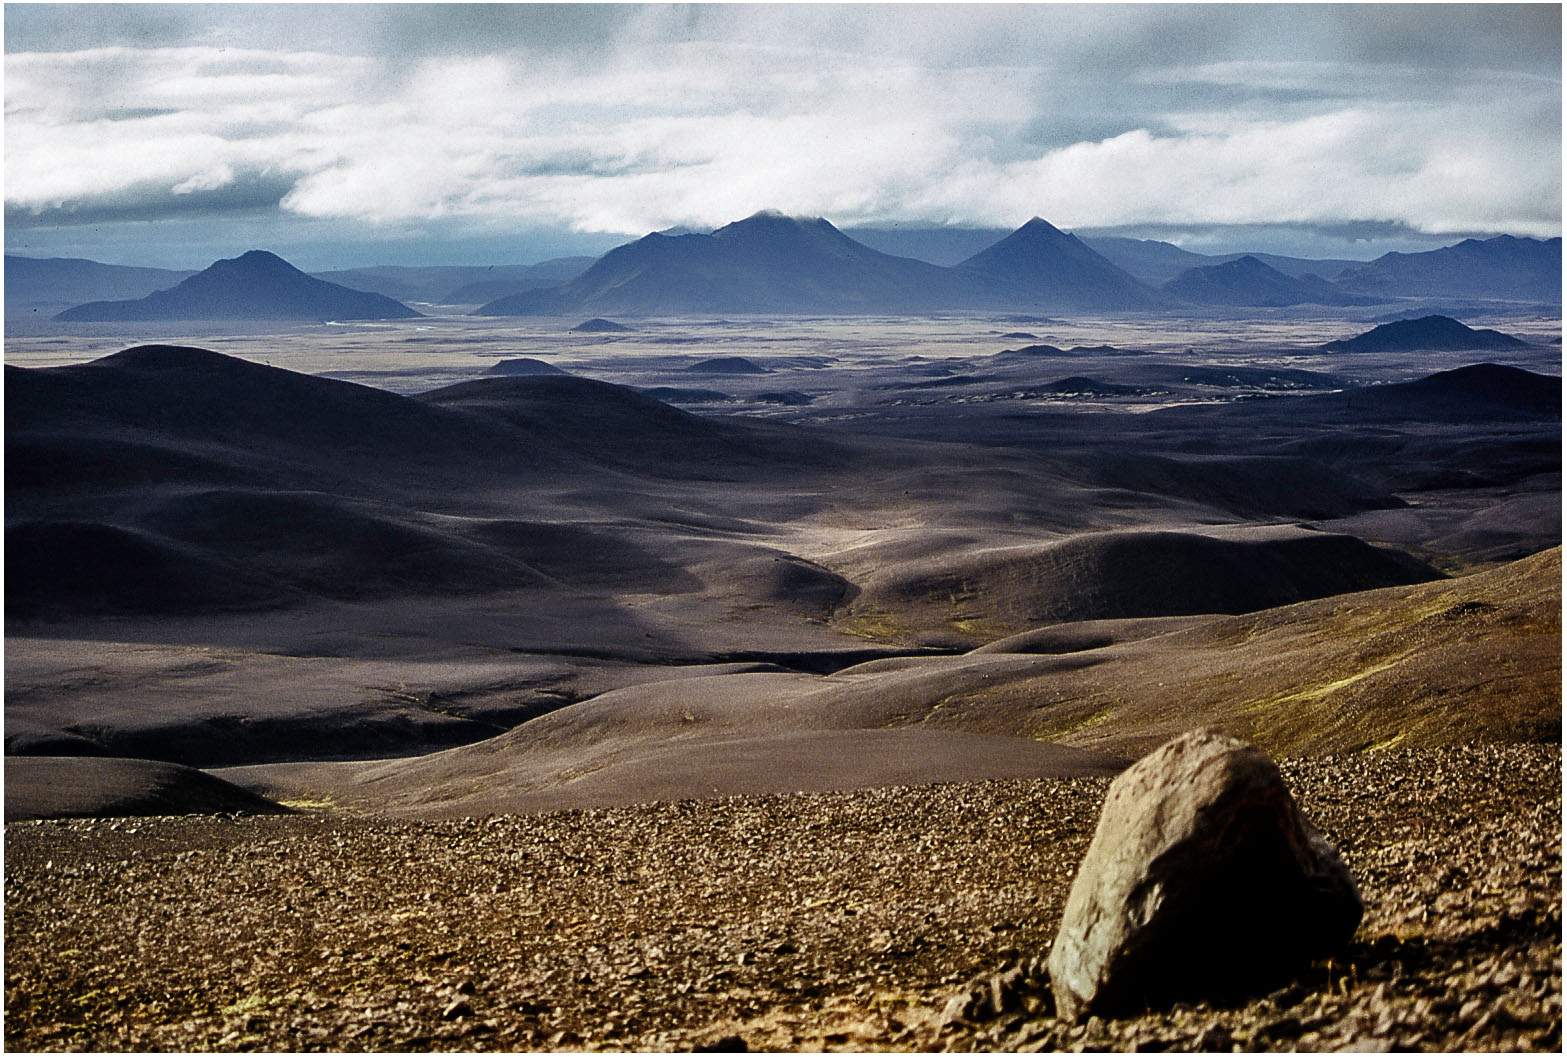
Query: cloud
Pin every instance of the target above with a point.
(629, 119)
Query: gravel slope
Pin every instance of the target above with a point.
(880, 919)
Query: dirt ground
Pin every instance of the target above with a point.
(905, 918)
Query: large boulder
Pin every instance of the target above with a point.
(1202, 881)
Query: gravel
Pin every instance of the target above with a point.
(909, 918)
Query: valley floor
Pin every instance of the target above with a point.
(878, 919)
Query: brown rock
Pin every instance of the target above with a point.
(1202, 881)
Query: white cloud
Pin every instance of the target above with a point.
(859, 117)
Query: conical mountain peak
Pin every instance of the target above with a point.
(254, 285)
(1058, 269)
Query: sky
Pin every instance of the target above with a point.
(347, 135)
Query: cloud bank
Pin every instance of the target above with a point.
(630, 119)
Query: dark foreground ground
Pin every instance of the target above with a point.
(882, 919)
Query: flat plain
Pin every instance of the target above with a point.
(876, 586)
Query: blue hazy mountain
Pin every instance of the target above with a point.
(1044, 267)
(1247, 281)
(457, 284)
(945, 246)
(255, 285)
(35, 284)
(1500, 268)
(765, 263)
(1156, 262)
(1427, 332)
(770, 263)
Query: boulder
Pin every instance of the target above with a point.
(1202, 881)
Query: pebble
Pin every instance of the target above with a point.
(321, 923)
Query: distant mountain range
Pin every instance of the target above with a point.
(1502, 268)
(773, 263)
(255, 285)
(765, 263)
(46, 285)
(769, 263)
(1248, 281)
(458, 285)
(1157, 262)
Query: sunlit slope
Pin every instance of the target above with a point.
(1443, 663)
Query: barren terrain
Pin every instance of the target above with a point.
(881, 919)
(757, 678)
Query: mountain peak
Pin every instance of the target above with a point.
(1058, 268)
(255, 285)
(257, 261)
(1042, 226)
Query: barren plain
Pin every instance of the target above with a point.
(758, 679)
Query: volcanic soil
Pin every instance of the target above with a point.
(592, 721)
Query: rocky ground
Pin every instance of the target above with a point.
(913, 918)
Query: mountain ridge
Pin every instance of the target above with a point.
(1247, 281)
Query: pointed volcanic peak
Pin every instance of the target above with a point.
(1247, 281)
(767, 263)
(1500, 268)
(1425, 333)
(1042, 265)
(255, 285)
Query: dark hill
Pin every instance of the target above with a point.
(1427, 332)
(615, 426)
(1039, 264)
(727, 365)
(600, 326)
(1481, 390)
(765, 263)
(162, 415)
(101, 787)
(256, 285)
(1248, 281)
(1480, 393)
(1506, 268)
(524, 365)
